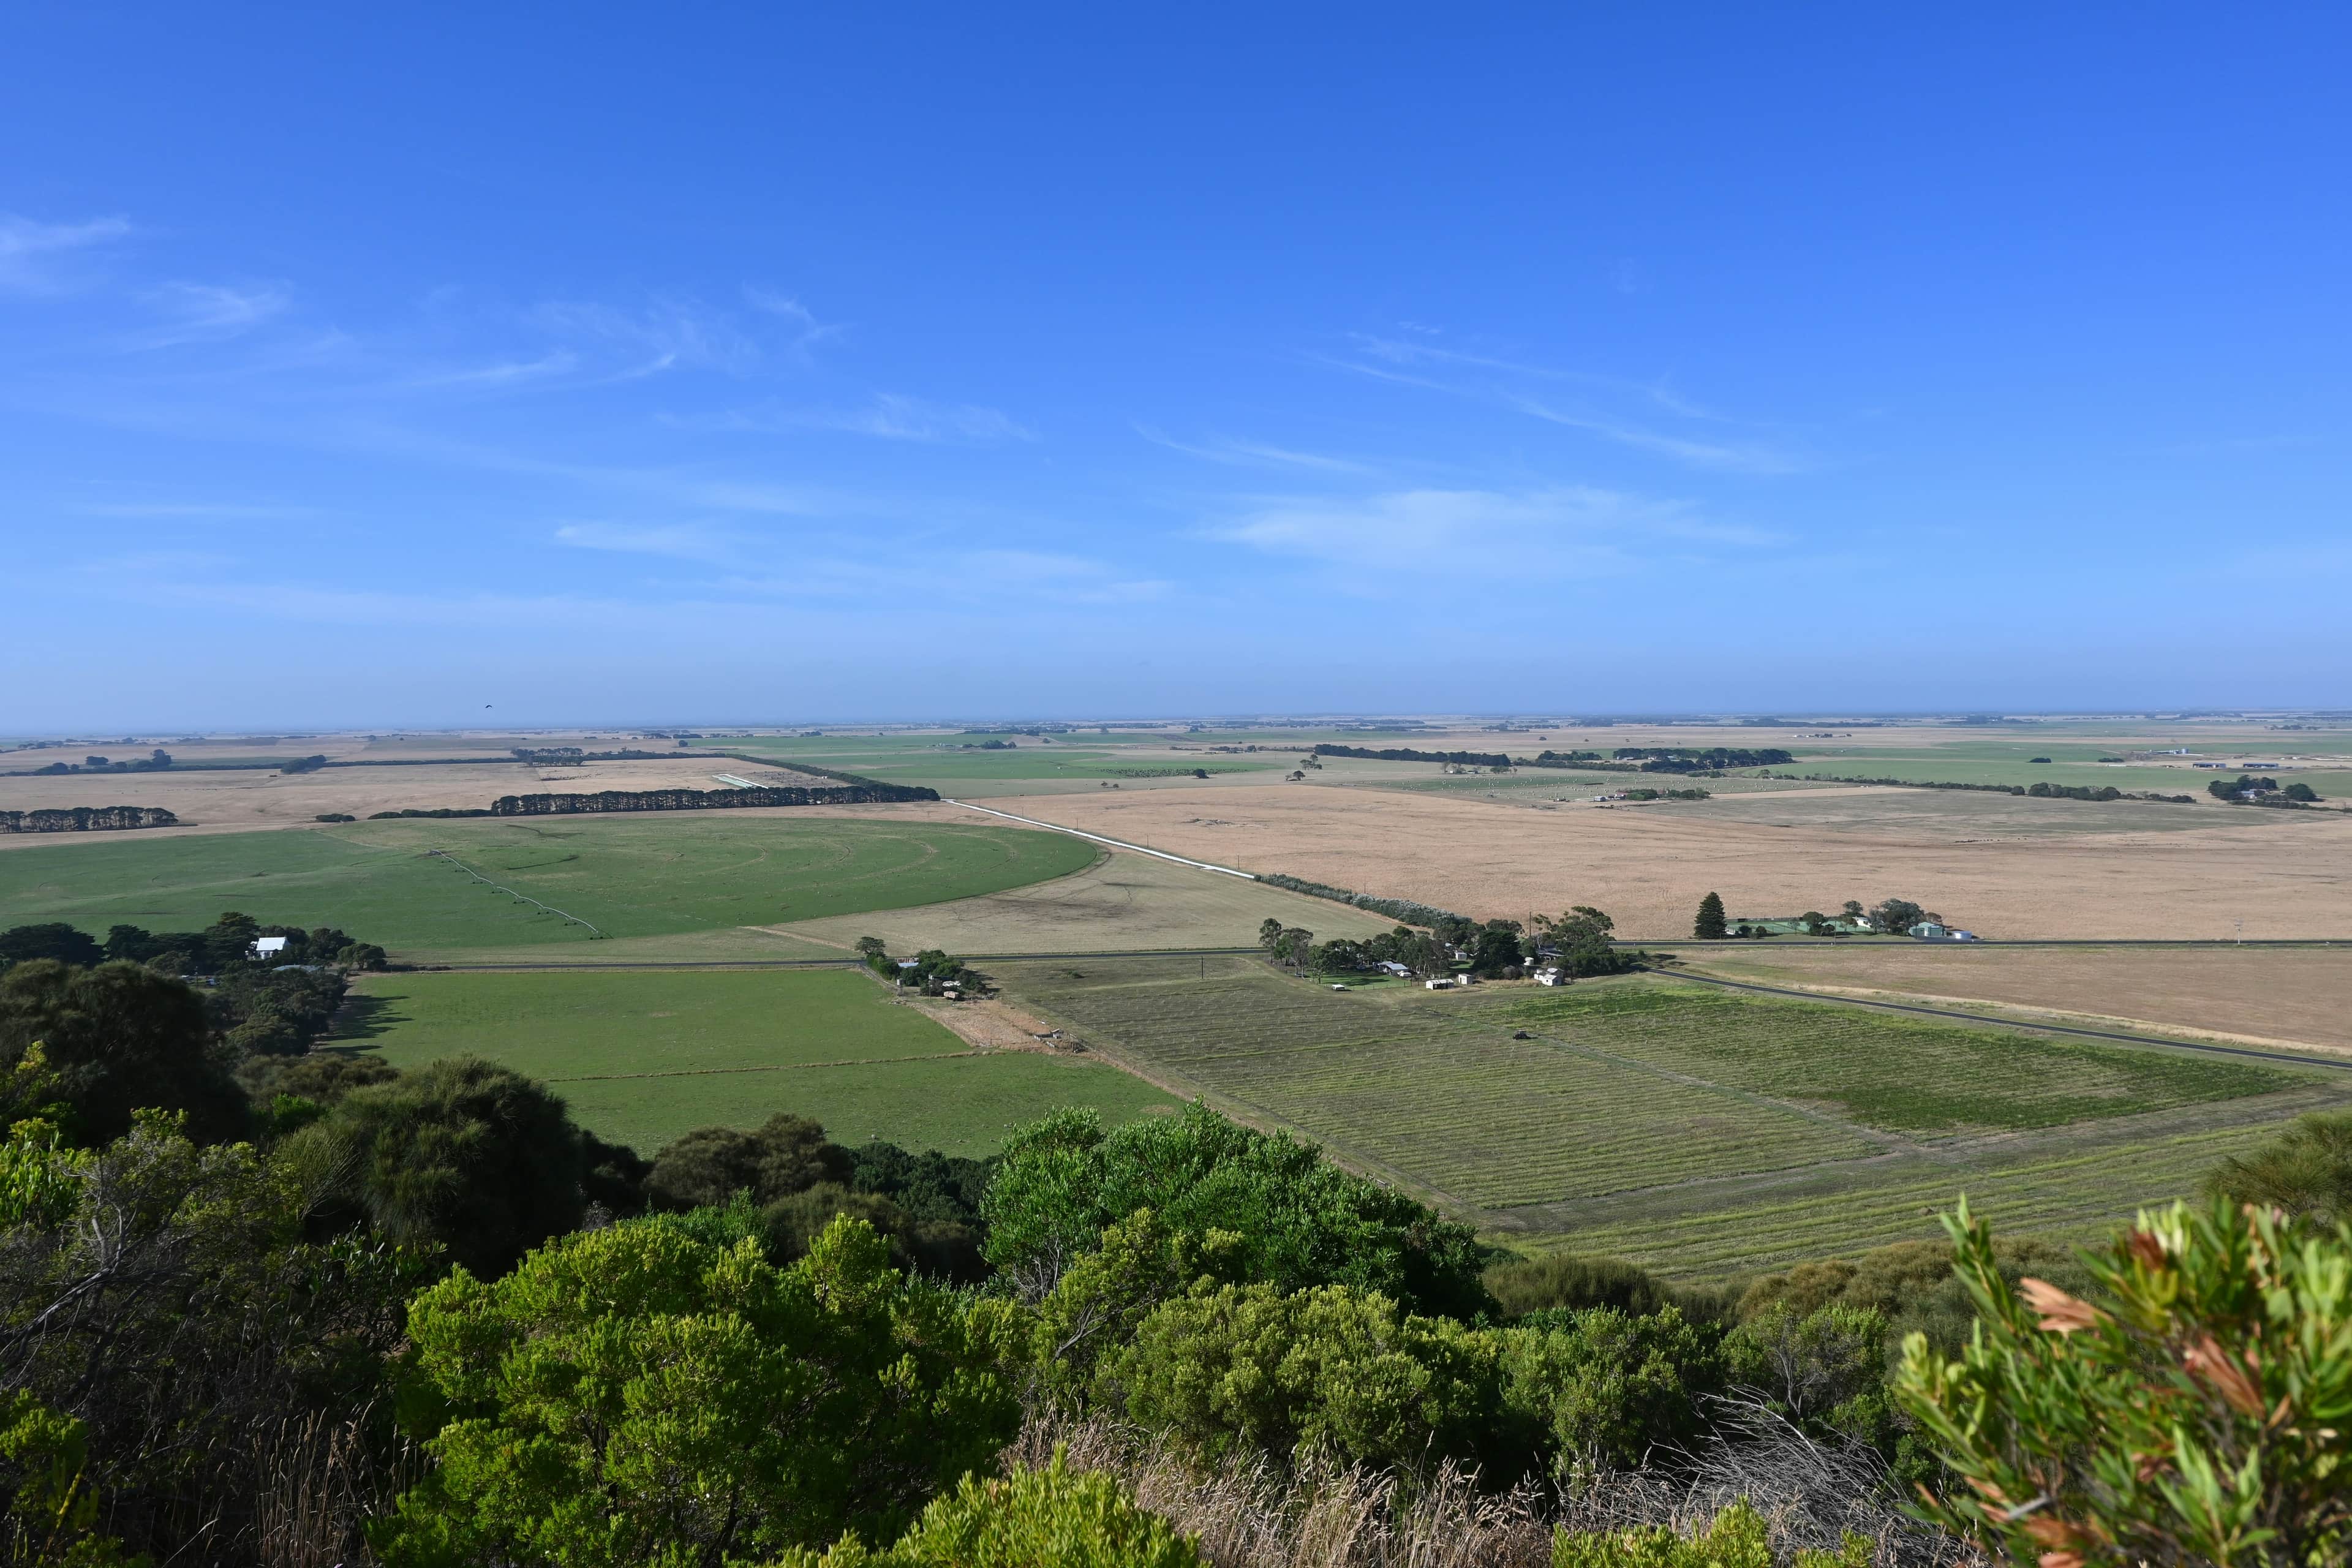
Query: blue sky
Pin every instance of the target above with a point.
(371, 364)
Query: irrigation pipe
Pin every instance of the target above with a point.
(502, 888)
(1114, 843)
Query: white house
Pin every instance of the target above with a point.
(269, 947)
(1550, 977)
(1929, 931)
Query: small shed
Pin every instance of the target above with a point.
(1928, 930)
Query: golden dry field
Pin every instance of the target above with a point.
(1124, 902)
(2254, 996)
(239, 800)
(2074, 869)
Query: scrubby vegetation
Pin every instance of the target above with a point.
(289, 1307)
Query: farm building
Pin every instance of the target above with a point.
(268, 946)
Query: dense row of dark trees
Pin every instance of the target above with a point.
(1406, 754)
(1577, 943)
(85, 819)
(707, 799)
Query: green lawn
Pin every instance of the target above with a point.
(643, 1056)
(656, 874)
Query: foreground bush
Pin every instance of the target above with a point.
(635, 1396)
(1735, 1537)
(1036, 1518)
(2200, 1415)
(160, 1297)
(1300, 1220)
(48, 1514)
(1329, 1370)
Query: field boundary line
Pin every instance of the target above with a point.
(1114, 843)
(1832, 1001)
(500, 887)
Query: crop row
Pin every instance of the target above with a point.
(1441, 1095)
(1891, 1073)
(2073, 1195)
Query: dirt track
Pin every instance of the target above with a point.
(1650, 866)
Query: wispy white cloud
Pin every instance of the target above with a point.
(1626, 411)
(30, 249)
(666, 333)
(680, 541)
(1252, 454)
(503, 373)
(889, 416)
(808, 332)
(208, 312)
(1540, 532)
(1737, 457)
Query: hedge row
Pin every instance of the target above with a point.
(85, 819)
(704, 799)
(1405, 909)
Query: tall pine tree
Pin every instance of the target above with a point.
(1709, 924)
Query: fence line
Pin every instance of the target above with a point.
(502, 888)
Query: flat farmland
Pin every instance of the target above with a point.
(1124, 901)
(2286, 874)
(2259, 996)
(650, 875)
(1436, 1096)
(1645, 1099)
(644, 1057)
(2074, 1193)
(244, 799)
(1895, 1074)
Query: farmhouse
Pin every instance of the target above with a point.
(268, 946)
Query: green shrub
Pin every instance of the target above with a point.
(637, 1395)
(1604, 1387)
(460, 1153)
(1536, 1284)
(48, 1516)
(1338, 1371)
(1036, 1518)
(1302, 1221)
(1735, 1538)
(2196, 1414)
(2305, 1172)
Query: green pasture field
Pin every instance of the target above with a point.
(2076, 1196)
(936, 760)
(1643, 1096)
(2073, 761)
(656, 874)
(1898, 1075)
(643, 1057)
